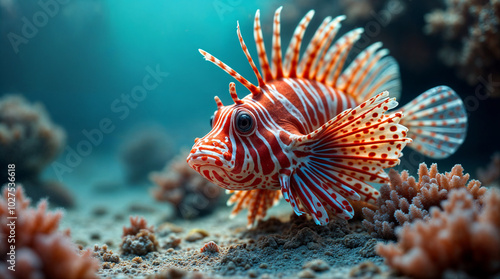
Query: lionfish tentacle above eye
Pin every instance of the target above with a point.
(218, 102)
(234, 95)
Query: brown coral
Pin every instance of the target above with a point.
(41, 250)
(463, 236)
(138, 239)
(472, 44)
(492, 172)
(145, 150)
(30, 141)
(187, 190)
(405, 200)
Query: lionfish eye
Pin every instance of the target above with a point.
(211, 121)
(244, 122)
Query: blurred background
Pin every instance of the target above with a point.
(126, 85)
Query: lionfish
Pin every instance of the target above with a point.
(316, 130)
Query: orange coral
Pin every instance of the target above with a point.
(138, 239)
(41, 250)
(405, 200)
(463, 236)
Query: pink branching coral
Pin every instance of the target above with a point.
(187, 190)
(30, 140)
(473, 26)
(41, 250)
(405, 199)
(138, 239)
(463, 236)
(492, 172)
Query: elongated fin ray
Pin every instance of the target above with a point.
(342, 156)
(261, 49)
(312, 49)
(249, 57)
(293, 50)
(254, 89)
(330, 33)
(371, 72)
(335, 57)
(257, 201)
(437, 121)
(277, 67)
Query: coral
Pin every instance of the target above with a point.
(185, 189)
(463, 236)
(210, 247)
(105, 255)
(472, 44)
(145, 150)
(41, 249)
(30, 140)
(138, 239)
(405, 200)
(492, 172)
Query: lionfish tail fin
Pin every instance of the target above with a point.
(256, 201)
(343, 156)
(437, 122)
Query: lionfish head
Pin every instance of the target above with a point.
(216, 156)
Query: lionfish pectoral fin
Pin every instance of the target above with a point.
(437, 122)
(257, 202)
(338, 160)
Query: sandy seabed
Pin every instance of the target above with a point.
(282, 246)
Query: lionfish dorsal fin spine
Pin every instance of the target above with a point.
(330, 33)
(335, 57)
(277, 66)
(249, 58)
(261, 49)
(370, 72)
(252, 88)
(293, 51)
(312, 50)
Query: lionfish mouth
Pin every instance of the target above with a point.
(213, 154)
